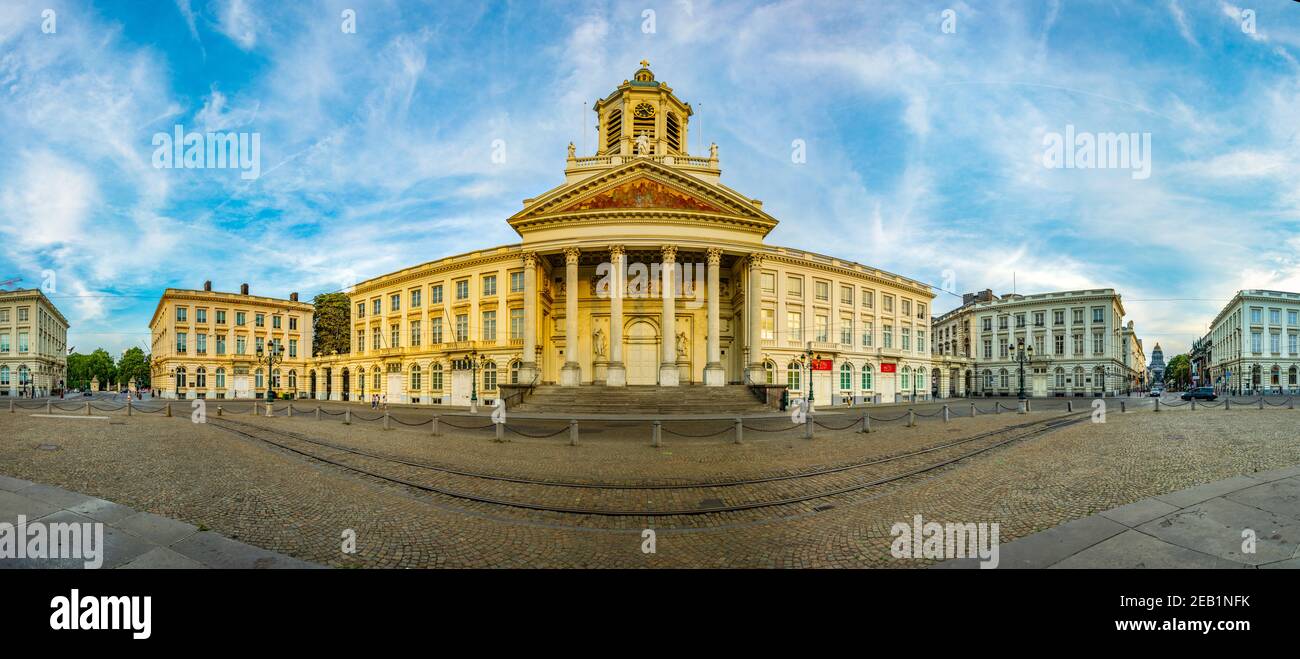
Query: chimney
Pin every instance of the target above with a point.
(207, 285)
(293, 297)
(243, 289)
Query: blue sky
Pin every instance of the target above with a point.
(924, 146)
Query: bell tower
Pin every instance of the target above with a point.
(642, 117)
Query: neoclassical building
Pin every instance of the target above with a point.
(1254, 344)
(33, 344)
(215, 345)
(640, 268)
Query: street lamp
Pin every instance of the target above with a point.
(270, 358)
(810, 378)
(1021, 354)
(473, 381)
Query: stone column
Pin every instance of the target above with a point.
(753, 319)
(714, 374)
(668, 374)
(528, 366)
(571, 373)
(616, 372)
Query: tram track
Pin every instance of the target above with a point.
(636, 499)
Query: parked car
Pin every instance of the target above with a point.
(1157, 391)
(1203, 393)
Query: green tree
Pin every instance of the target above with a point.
(78, 371)
(1178, 371)
(133, 367)
(101, 366)
(332, 325)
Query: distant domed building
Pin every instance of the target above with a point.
(1157, 368)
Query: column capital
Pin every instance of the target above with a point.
(530, 259)
(713, 255)
(616, 251)
(669, 253)
(754, 259)
(571, 255)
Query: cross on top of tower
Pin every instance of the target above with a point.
(645, 64)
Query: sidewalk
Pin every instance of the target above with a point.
(1200, 527)
(132, 539)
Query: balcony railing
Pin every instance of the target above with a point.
(603, 162)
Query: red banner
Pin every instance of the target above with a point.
(821, 364)
(889, 368)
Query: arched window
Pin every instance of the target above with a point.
(867, 371)
(415, 377)
(4, 375)
(201, 377)
(769, 372)
(490, 376)
(1291, 375)
(793, 373)
(1078, 377)
(1002, 379)
(988, 379)
(920, 379)
(258, 379)
(846, 377)
(377, 379)
(435, 377)
(180, 377)
(905, 382)
(221, 377)
(1099, 378)
(293, 379)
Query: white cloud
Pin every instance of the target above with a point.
(238, 23)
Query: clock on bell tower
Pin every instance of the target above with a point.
(642, 118)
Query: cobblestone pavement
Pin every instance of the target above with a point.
(280, 501)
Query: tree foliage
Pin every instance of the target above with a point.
(133, 367)
(1178, 371)
(331, 329)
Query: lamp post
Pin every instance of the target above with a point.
(473, 381)
(1021, 354)
(269, 357)
(810, 377)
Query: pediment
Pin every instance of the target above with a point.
(642, 185)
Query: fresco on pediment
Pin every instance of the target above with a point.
(641, 193)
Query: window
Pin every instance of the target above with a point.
(1038, 319)
(768, 331)
(435, 332)
(888, 302)
(1274, 316)
(415, 377)
(1002, 348)
(293, 379)
(361, 310)
(258, 379)
(490, 376)
(259, 320)
(1291, 343)
(221, 318)
(794, 326)
(275, 379)
(489, 285)
(1020, 320)
(1256, 342)
(259, 344)
(221, 378)
(823, 291)
(201, 344)
(462, 327)
(516, 324)
(437, 294)
(868, 298)
(846, 330)
(361, 340)
(22, 314)
(415, 333)
(1058, 317)
(180, 378)
(769, 372)
(1098, 344)
(1255, 315)
(1290, 317)
(462, 289)
(792, 376)
(887, 337)
(395, 335)
(180, 314)
(517, 282)
(1076, 316)
(920, 341)
(489, 326)
(4, 343)
(905, 307)
(1002, 322)
(4, 375)
(435, 377)
(416, 301)
(375, 309)
(846, 377)
(241, 345)
(907, 338)
(1058, 344)
(768, 283)
(794, 286)
(180, 342)
(293, 347)
(376, 339)
(986, 323)
(378, 380)
(200, 315)
(823, 328)
(1275, 343)
(867, 331)
(395, 302)
(920, 310)
(1097, 314)
(905, 379)
(1078, 344)
(866, 377)
(293, 322)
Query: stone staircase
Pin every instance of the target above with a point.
(599, 399)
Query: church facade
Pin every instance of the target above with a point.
(641, 268)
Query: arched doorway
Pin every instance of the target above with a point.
(347, 384)
(935, 380)
(642, 353)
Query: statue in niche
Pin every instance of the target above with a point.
(681, 345)
(598, 343)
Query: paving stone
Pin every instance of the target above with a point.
(1139, 512)
(1048, 547)
(1280, 496)
(1215, 527)
(1134, 550)
(156, 528)
(214, 550)
(55, 495)
(162, 558)
(103, 511)
(1194, 495)
(12, 484)
(12, 505)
